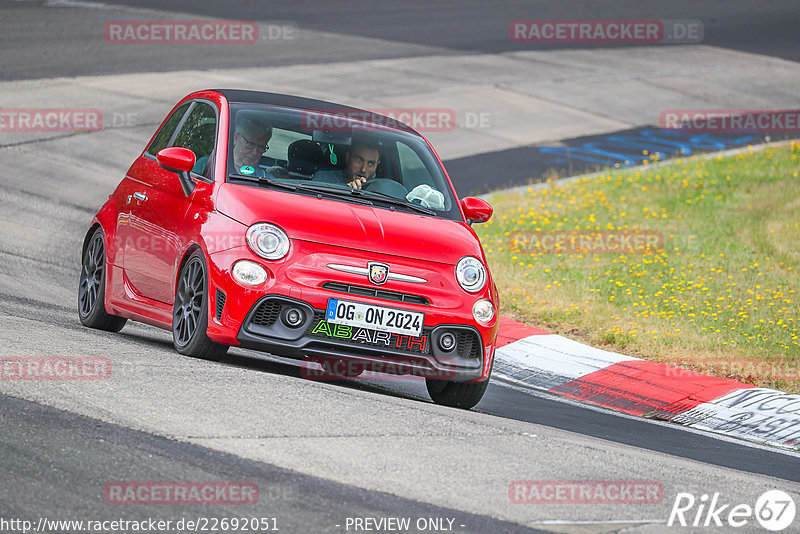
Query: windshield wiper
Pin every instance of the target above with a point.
(380, 197)
(335, 191)
(358, 196)
(394, 201)
(263, 180)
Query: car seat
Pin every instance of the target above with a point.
(304, 157)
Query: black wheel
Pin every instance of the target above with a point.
(92, 288)
(456, 394)
(190, 313)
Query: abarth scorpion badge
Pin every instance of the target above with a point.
(378, 272)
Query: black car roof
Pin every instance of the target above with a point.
(298, 102)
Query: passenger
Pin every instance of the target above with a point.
(361, 161)
(250, 141)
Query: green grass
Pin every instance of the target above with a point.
(718, 293)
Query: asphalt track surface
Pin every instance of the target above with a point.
(414, 27)
(292, 502)
(319, 452)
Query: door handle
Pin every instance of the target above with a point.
(140, 196)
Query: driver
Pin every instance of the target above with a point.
(361, 163)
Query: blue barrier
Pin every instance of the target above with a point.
(626, 150)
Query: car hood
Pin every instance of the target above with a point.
(346, 224)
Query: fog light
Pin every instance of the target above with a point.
(249, 273)
(447, 342)
(294, 317)
(483, 311)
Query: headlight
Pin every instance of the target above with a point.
(268, 241)
(249, 273)
(471, 274)
(483, 311)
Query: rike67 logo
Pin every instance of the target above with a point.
(774, 510)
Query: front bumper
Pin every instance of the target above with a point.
(266, 329)
(306, 281)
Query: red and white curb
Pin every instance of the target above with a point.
(547, 361)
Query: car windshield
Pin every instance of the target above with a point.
(343, 154)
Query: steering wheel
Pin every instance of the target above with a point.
(385, 186)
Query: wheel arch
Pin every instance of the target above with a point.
(88, 237)
(98, 316)
(205, 348)
(191, 249)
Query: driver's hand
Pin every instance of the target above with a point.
(357, 183)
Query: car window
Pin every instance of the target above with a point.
(165, 134)
(279, 143)
(300, 146)
(198, 134)
(412, 169)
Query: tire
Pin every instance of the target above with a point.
(92, 287)
(463, 395)
(190, 312)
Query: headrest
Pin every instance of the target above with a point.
(304, 156)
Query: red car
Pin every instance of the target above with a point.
(303, 229)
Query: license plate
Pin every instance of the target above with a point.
(374, 317)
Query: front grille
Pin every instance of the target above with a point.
(402, 344)
(267, 313)
(468, 344)
(376, 293)
(220, 304)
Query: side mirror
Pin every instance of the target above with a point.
(476, 210)
(180, 161)
(176, 159)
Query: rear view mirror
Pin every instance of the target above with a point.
(334, 137)
(476, 210)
